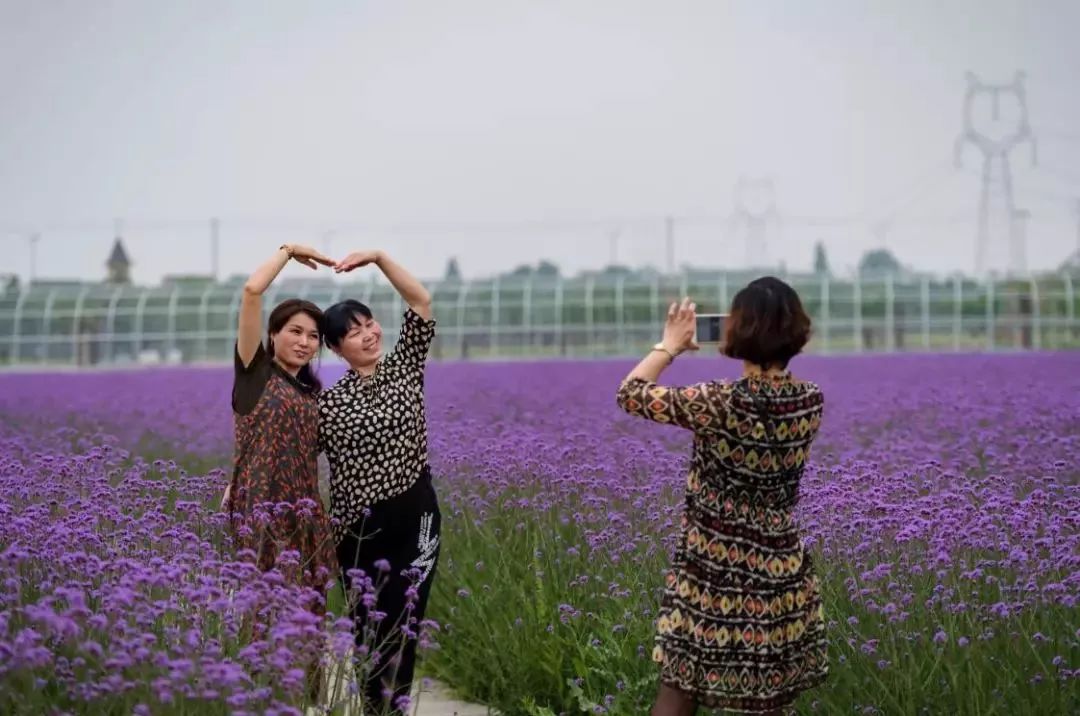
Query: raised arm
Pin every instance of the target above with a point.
(701, 407)
(407, 286)
(249, 331)
(695, 407)
(678, 338)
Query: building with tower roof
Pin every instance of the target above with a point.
(118, 265)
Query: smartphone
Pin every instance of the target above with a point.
(710, 327)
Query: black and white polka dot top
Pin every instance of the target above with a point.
(373, 428)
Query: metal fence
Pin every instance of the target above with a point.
(538, 316)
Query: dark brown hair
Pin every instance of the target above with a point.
(767, 324)
(280, 316)
(340, 317)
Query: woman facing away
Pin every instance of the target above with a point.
(740, 625)
(272, 499)
(373, 430)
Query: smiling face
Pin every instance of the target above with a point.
(361, 346)
(353, 334)
(297, 342)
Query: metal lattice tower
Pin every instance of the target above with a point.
(1018, 222)
(755, 207)
(997, 149)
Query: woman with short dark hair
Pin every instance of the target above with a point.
(740, 625)
(373, 428)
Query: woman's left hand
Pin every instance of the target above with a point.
(356, 260)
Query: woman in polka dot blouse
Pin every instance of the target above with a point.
(372, 428)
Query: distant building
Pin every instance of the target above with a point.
(187, 281)
(118, 265)
(878, 263)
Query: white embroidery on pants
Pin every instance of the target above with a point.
(427, 546)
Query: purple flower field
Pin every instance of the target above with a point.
(942, 504)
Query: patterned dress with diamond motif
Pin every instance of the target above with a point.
(741, 624)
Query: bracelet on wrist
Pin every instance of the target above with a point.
(287, 249)
(661, 347)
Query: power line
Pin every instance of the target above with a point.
(928, 186)
(911, 191)
(1063, 174)
(1065, 135)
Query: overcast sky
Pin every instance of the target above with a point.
(505, 132)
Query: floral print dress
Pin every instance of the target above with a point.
(274, 502)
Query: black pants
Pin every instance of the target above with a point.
(403, 530)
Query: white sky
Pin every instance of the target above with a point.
(505, 132)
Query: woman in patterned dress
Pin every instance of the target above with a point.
(740, 625)
(272, 500)
(373, 429)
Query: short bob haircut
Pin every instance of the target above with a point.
(767, 325)
(339, 319)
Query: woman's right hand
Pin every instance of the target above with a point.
(680, 327)
(225, 497)
(357, 259)
(308, 256)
